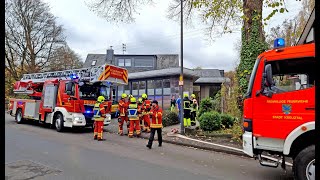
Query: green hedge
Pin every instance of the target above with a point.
(206, 105)
(169, 118)
(227, 120)
(210, 121)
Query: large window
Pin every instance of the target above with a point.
(143, 62)
(151, 87)
(158, 85)
(142, 87)
(166, 87)
(135, 87)
(127, 89)
(124, 62)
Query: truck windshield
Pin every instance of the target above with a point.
(93, 91)
(251, 81)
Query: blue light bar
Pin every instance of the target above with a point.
(74, 76)
(88, 111)
(278, 43)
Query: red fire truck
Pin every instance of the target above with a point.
(279, 108)
(66, 98)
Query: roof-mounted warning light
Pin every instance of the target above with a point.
(74, 76)
(279, 43)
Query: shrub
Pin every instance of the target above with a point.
(169, 118)
(210, 121)
(227, 121)
(206, 105)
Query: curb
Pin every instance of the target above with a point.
(206, 148)
(216, 149)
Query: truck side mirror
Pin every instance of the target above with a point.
(268, 75)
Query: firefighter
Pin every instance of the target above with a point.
(133, 116)
(99, 115)
(140, 109)
(194, 109)
(173, 104)
(156, 123)
(145, 112)
(123, 115)
(186, 110)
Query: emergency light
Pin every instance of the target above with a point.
(74, 76)
(278, 43)
(88, 112)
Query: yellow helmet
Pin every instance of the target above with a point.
(124, 95)
(101, 99)
(185, 95)
(144, 96)
(140, 100)
(193, 96)
(133, 99)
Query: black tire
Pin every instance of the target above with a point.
(59, 122)
(305, 159)
(19, 116)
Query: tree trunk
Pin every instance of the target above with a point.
(252, 10)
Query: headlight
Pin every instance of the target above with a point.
(78, 118)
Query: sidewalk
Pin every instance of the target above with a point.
(168, 137)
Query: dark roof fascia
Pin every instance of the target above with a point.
(307, 28)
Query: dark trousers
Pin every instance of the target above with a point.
(153, 131)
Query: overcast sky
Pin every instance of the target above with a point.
(152, 33)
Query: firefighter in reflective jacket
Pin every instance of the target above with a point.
(133, 116)
(194, 109)
(140, 108)
(99, 115)
(186, 111)
(145, 112)
(123, 114)
(156, 124)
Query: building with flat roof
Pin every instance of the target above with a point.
(158, 76)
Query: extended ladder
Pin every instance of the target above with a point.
(91, 74)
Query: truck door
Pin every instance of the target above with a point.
(68, 96)
(290, 105)
(48, 100)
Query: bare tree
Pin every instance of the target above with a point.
(31, 34)
(117, 10)
(291, 29)
(64, 58)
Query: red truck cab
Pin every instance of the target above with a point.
(279, 108)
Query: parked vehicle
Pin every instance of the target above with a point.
(66, 98)
(279, 108)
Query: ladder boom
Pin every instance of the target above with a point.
(92, 74)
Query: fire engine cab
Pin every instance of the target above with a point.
(279, 108)
(66, 98)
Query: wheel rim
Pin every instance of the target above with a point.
(19, 116)
(310, 170)
(58, 123)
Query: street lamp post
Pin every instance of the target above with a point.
(181, 73)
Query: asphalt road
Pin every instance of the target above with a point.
(37, 152)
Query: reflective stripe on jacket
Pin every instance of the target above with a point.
(122, 106)
(156, 115)
(99, 112)
(133, 112)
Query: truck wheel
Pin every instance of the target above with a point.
(59, 122)
(304, 164)
(19, 118)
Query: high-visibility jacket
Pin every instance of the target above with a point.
(186, 104)
(140, 109)
(146, 106)
(122, 107)
(156, 115)
(133, 112)
(99, 112)
(194, 105)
